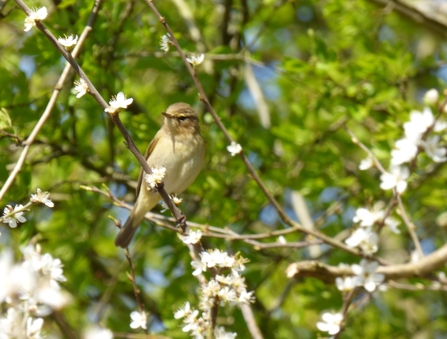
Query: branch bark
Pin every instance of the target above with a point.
(57, 89)
(422, 268)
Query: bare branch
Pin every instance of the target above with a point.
(422, 268)
(47, 112)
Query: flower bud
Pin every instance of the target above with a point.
(431, 97)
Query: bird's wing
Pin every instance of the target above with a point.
(146, 156)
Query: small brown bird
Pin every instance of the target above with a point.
(179, 147)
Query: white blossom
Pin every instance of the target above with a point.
(234, 148)
(345, 284)
(198, 266)
(227, 294)
(81, 88)
(33, 328)
(42, 197)
(395, 178)
(440, 126)
(195, 60)
(69, 41)
(282, 240)
(155, 178)
(52, 268)
(331, 323)
(405, 150)
(366, 163)
(418, 124)
(118, 102)
(366, 275)
(246, 297)
(365, 239)
(177, 201)
(193, 237)
(165, 41)
(217, 258)
(431, 147)
(97, 332)
(220, 290)
(35, 15)
(392, 224)
(11, 325)
(415, 257)
(431, 97)
(183, 311)
(12, 217)
(368, 218)
(138, 319)
(191, 322)
(220, 333)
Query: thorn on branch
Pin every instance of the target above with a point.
(181, 222)
(115, 221)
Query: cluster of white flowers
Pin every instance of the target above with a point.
(364, 237)
(365, 275)
(14, 216)
(139, 319)
(331, 323)
(34, 16)
(31, 292)
(406, 149)
(220, 290)
(117, 102)
(157, 176)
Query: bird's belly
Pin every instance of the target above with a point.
(182, 167)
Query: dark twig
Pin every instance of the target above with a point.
(203, 97)
(46, 114)
(136, 290)
(179, 216)
(347, 299)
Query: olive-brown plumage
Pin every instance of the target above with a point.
(177, 146)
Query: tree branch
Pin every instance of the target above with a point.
(422, 268)
(57, 89)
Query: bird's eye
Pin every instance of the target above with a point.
(182, 118)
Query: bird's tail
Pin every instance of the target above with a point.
(142, 205)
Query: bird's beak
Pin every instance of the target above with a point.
(167, 115)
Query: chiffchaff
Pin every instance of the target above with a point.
(178, 147)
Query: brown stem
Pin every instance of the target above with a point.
(203, 97)
(46, 114)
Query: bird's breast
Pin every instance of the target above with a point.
(182, 158)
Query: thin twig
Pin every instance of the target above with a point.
(203, 97)
(177, 213)
(347, 299)
(410, 226)
(47, 112)
(213, 231)
(136, 291)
